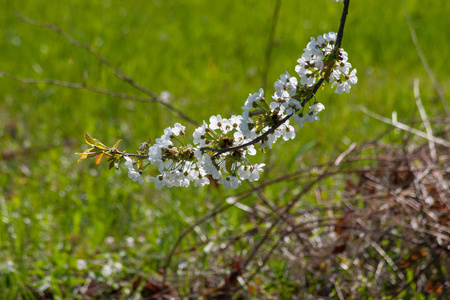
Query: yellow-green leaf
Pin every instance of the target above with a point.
(117, 144)
(89, 139)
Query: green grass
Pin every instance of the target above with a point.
(54, 211)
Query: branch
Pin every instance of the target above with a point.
(340, 34)
(405, 127)
(339, 38)
(424, 117)
(270, 131)
(77, 85)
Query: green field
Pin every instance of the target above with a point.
(56, 214)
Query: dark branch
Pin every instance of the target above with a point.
(340, 34)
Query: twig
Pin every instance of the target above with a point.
(424, 117)
(275, 209)
(200, 221)
(344, 154)
(340, 34)
(77, 85)
(387, 259)
(285, 211)
(252, 142)
(425, 63)
(404, 127)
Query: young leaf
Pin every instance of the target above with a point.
(229, 165)
(89, 139)
(98, 158)
(83, 156)
(93, 142)
(117, 144)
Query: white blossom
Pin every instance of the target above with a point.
(132, 173)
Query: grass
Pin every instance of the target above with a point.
(55, 211)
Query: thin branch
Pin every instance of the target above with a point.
(117, 71)
(405, 127)
(424, 117)
(387, 259)
(340, 34)
(344, 154)
(77, 85)
(200, 221)
(285, 211)
(252, 142)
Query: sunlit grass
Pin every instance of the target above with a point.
(54, 211)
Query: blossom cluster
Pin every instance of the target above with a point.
(221, 147)
(321, 60)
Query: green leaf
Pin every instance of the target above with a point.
(264, 105)
(93, 142)
(89, 139)
(117, 144)
(229, 165)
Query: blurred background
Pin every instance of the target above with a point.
(57, 215)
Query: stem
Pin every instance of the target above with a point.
(340, 34)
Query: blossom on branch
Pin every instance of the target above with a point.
(220, 148)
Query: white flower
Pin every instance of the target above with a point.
(235, 121)
(311, 117)
(300, 120)
(178, 129)
(132, 173)
(286, 83)
(201, 181)
(251, 150)
(159, 181)
(345, 86)
(291, 106)
(331, 36)
(230, 182)
(200, 177)
(244, 172)
(271, 138)
(210, 168)
(164, 140)
(199, 135)
(215, 122)
(352, 79)
(287, 131)
(253, 98)
(256, 169)
(226, 126)
(318, 107)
